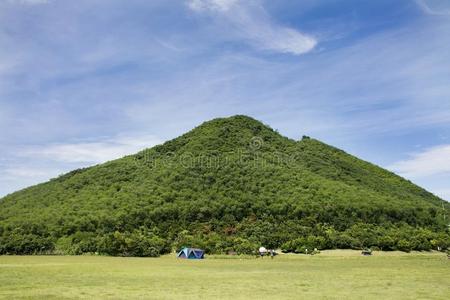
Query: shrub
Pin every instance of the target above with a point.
(136, 243)
(244, 246)
(404, 245)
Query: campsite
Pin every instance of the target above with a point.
(340, 274)
(224, 149)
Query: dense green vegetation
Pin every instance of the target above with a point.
(231, 184)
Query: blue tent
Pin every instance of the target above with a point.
(191, 253)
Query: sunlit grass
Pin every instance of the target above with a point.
(332, 275)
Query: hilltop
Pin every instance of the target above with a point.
(229, 184)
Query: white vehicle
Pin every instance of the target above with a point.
(262, 251)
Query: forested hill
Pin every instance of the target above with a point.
(231, 184)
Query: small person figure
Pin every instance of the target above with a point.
(272, 253)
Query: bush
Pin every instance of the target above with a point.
(243, 246)
(63, 246)
(300, 245)
(136, 243)
(441, 241)
(26, 244)
(386, 243)
(404, 245)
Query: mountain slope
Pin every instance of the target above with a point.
(229, 184)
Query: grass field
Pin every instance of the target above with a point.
(330, 275)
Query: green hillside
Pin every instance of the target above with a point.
(231, 184)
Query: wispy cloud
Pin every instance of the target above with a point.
(30, 2)
(432, 161)
(435, 7)
(24, 172)
(31, 164)
(100, 151)
(19, 177)
(404, 88)
(211, 5)
(250, 21)
(443, 193)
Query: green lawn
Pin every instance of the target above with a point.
(330, 275)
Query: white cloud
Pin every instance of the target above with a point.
(249, 21)
(19, 177)
(434, 7)
(93, 152)
(30, 2)
(23, 172)
(212, 5)
(432, 161)
(36, 164)
(442, 193)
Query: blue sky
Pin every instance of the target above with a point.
(83, 82)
